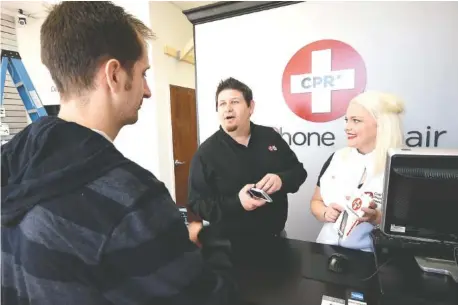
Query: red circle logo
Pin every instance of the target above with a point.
(321, 78)
(357, 203)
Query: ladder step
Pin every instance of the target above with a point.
(12, 63)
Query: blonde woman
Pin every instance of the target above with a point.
(373, 125)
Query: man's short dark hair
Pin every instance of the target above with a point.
(78, 35)
(234, 84)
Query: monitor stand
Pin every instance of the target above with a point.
(439, 266)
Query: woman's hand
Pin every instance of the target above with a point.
(372, 215)
(332, 212)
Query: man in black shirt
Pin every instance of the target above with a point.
(237, 157)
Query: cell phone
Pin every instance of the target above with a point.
(184, 215)
(257, 193)
(343, 224)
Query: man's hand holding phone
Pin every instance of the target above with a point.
(250, 203)
(194, 229)
(270, 184)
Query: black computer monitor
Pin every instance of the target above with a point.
(420, 201)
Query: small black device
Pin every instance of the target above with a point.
(343, 224)
(258, 193)
(338, 263)
(21, 18)
(184, 215)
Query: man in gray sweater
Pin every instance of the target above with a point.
(82, 224)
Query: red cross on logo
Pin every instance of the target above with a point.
(357, 203)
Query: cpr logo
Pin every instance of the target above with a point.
(357, 203)
(321, 78)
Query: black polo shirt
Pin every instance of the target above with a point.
(222, 167)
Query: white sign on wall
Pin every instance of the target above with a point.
(304, 63)
(4, 129)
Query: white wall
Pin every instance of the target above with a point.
(173, 29)
(28, 38)
(139, 142)
(409, 48)
(149, 141)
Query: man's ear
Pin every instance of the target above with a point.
(113, 74)
(252, 104)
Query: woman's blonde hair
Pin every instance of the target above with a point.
(387, 110)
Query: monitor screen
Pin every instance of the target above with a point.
(421, 195)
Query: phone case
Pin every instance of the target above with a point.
(259, 194)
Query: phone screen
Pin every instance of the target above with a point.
(259, 194)
(184, 215)
(343, 224)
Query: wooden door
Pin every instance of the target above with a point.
(184, 134)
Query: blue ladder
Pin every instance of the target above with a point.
(11, 62)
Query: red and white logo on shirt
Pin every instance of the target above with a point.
(273, 148)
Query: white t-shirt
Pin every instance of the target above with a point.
(346, 170)
(103, 134)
